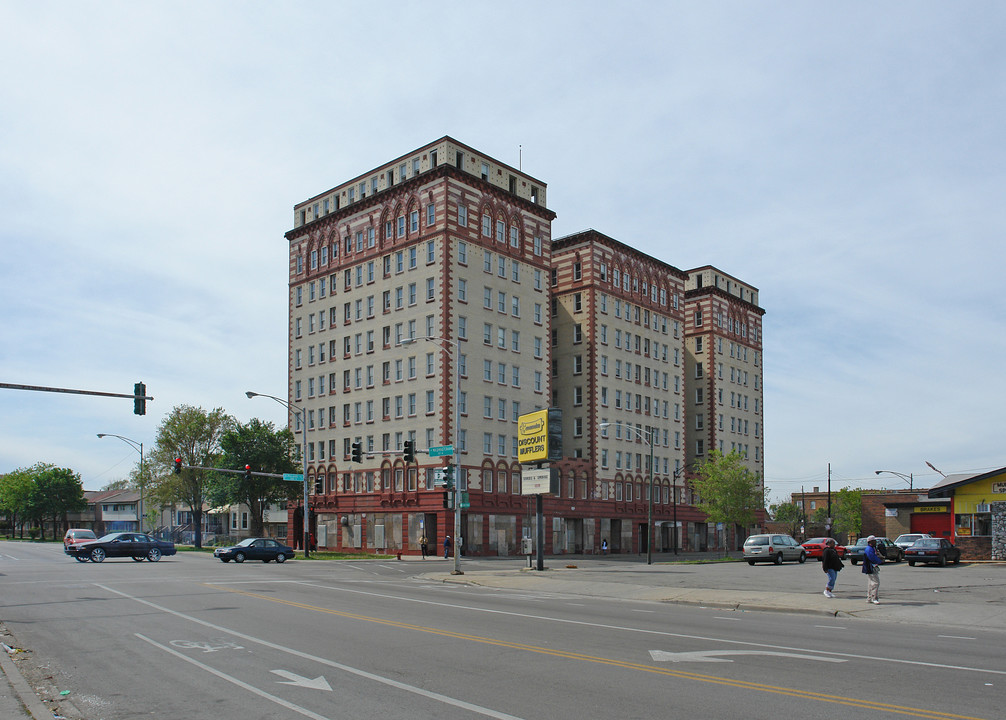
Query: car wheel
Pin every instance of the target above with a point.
(855, 562)
(778, 559)
(281, 558)
(751, 562)
(154, 555)
(81, 558)
(138, 559)
(97, 555)
(265, 560)
(943, 561)
(957, 560)
(240, 557)
(803, 558)
(911, 563)
(225, 559)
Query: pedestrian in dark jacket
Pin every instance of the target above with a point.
(831, 563)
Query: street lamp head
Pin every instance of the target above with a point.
(101, 435)
(251, 394)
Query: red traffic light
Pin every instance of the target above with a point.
(178, 466)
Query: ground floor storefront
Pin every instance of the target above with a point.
(500, 534)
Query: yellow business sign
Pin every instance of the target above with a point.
(532, 437)
(930, 508)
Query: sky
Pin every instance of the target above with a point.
(847, 159)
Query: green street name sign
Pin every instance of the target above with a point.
(441, 450)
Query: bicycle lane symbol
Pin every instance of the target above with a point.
(207, 646)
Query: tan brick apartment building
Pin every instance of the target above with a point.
(450, 244)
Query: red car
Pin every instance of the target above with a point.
(76, 536)
(815, 548)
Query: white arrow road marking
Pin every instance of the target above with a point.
(319, 683)
(716, 655)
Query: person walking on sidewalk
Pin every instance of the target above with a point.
(424, 545)
(871, 567)
(831, 563)
(447, 547)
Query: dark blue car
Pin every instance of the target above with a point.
(264, 549)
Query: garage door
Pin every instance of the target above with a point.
(936, 524)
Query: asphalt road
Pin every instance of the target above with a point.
(190, 637)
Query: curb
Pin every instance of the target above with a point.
(34, 707)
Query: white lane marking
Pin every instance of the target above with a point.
(957, 637)
(720, 617)
(716, 655)
(292, 678)
(447, 700)
(662, 633)
(643, 611)
(396, 568)
(831, 627)
(245, 686)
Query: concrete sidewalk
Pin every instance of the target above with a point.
(975, 608)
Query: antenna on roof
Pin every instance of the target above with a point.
(931, 466)
(520, 157)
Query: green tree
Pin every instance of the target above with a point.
(788, 513)
(38, 493)
(847, 511)
(194, 435)
(265, 449)
(16, 497)
(728, 492)
(58, 491)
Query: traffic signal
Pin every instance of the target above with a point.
(357, 452)
(139, 399)
(178, 466)
(449, 477)
(410, 451)
(247, 472)
(447, 500)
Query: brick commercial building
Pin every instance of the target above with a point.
(429, 303)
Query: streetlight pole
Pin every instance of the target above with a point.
(646, 435)
(674, 497)
(138, 446)
(302, 415)
(457, 424)
(907, 478)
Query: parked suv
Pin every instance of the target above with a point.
(773, 548)
(885, 548)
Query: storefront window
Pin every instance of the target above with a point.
(976, 524)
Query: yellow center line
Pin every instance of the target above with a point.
(742, 684)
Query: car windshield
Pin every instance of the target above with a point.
(246, 542)
(82, 535)
(816, 541)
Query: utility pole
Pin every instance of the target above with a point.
(829, 500)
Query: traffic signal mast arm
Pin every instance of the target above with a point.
(229, 470)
